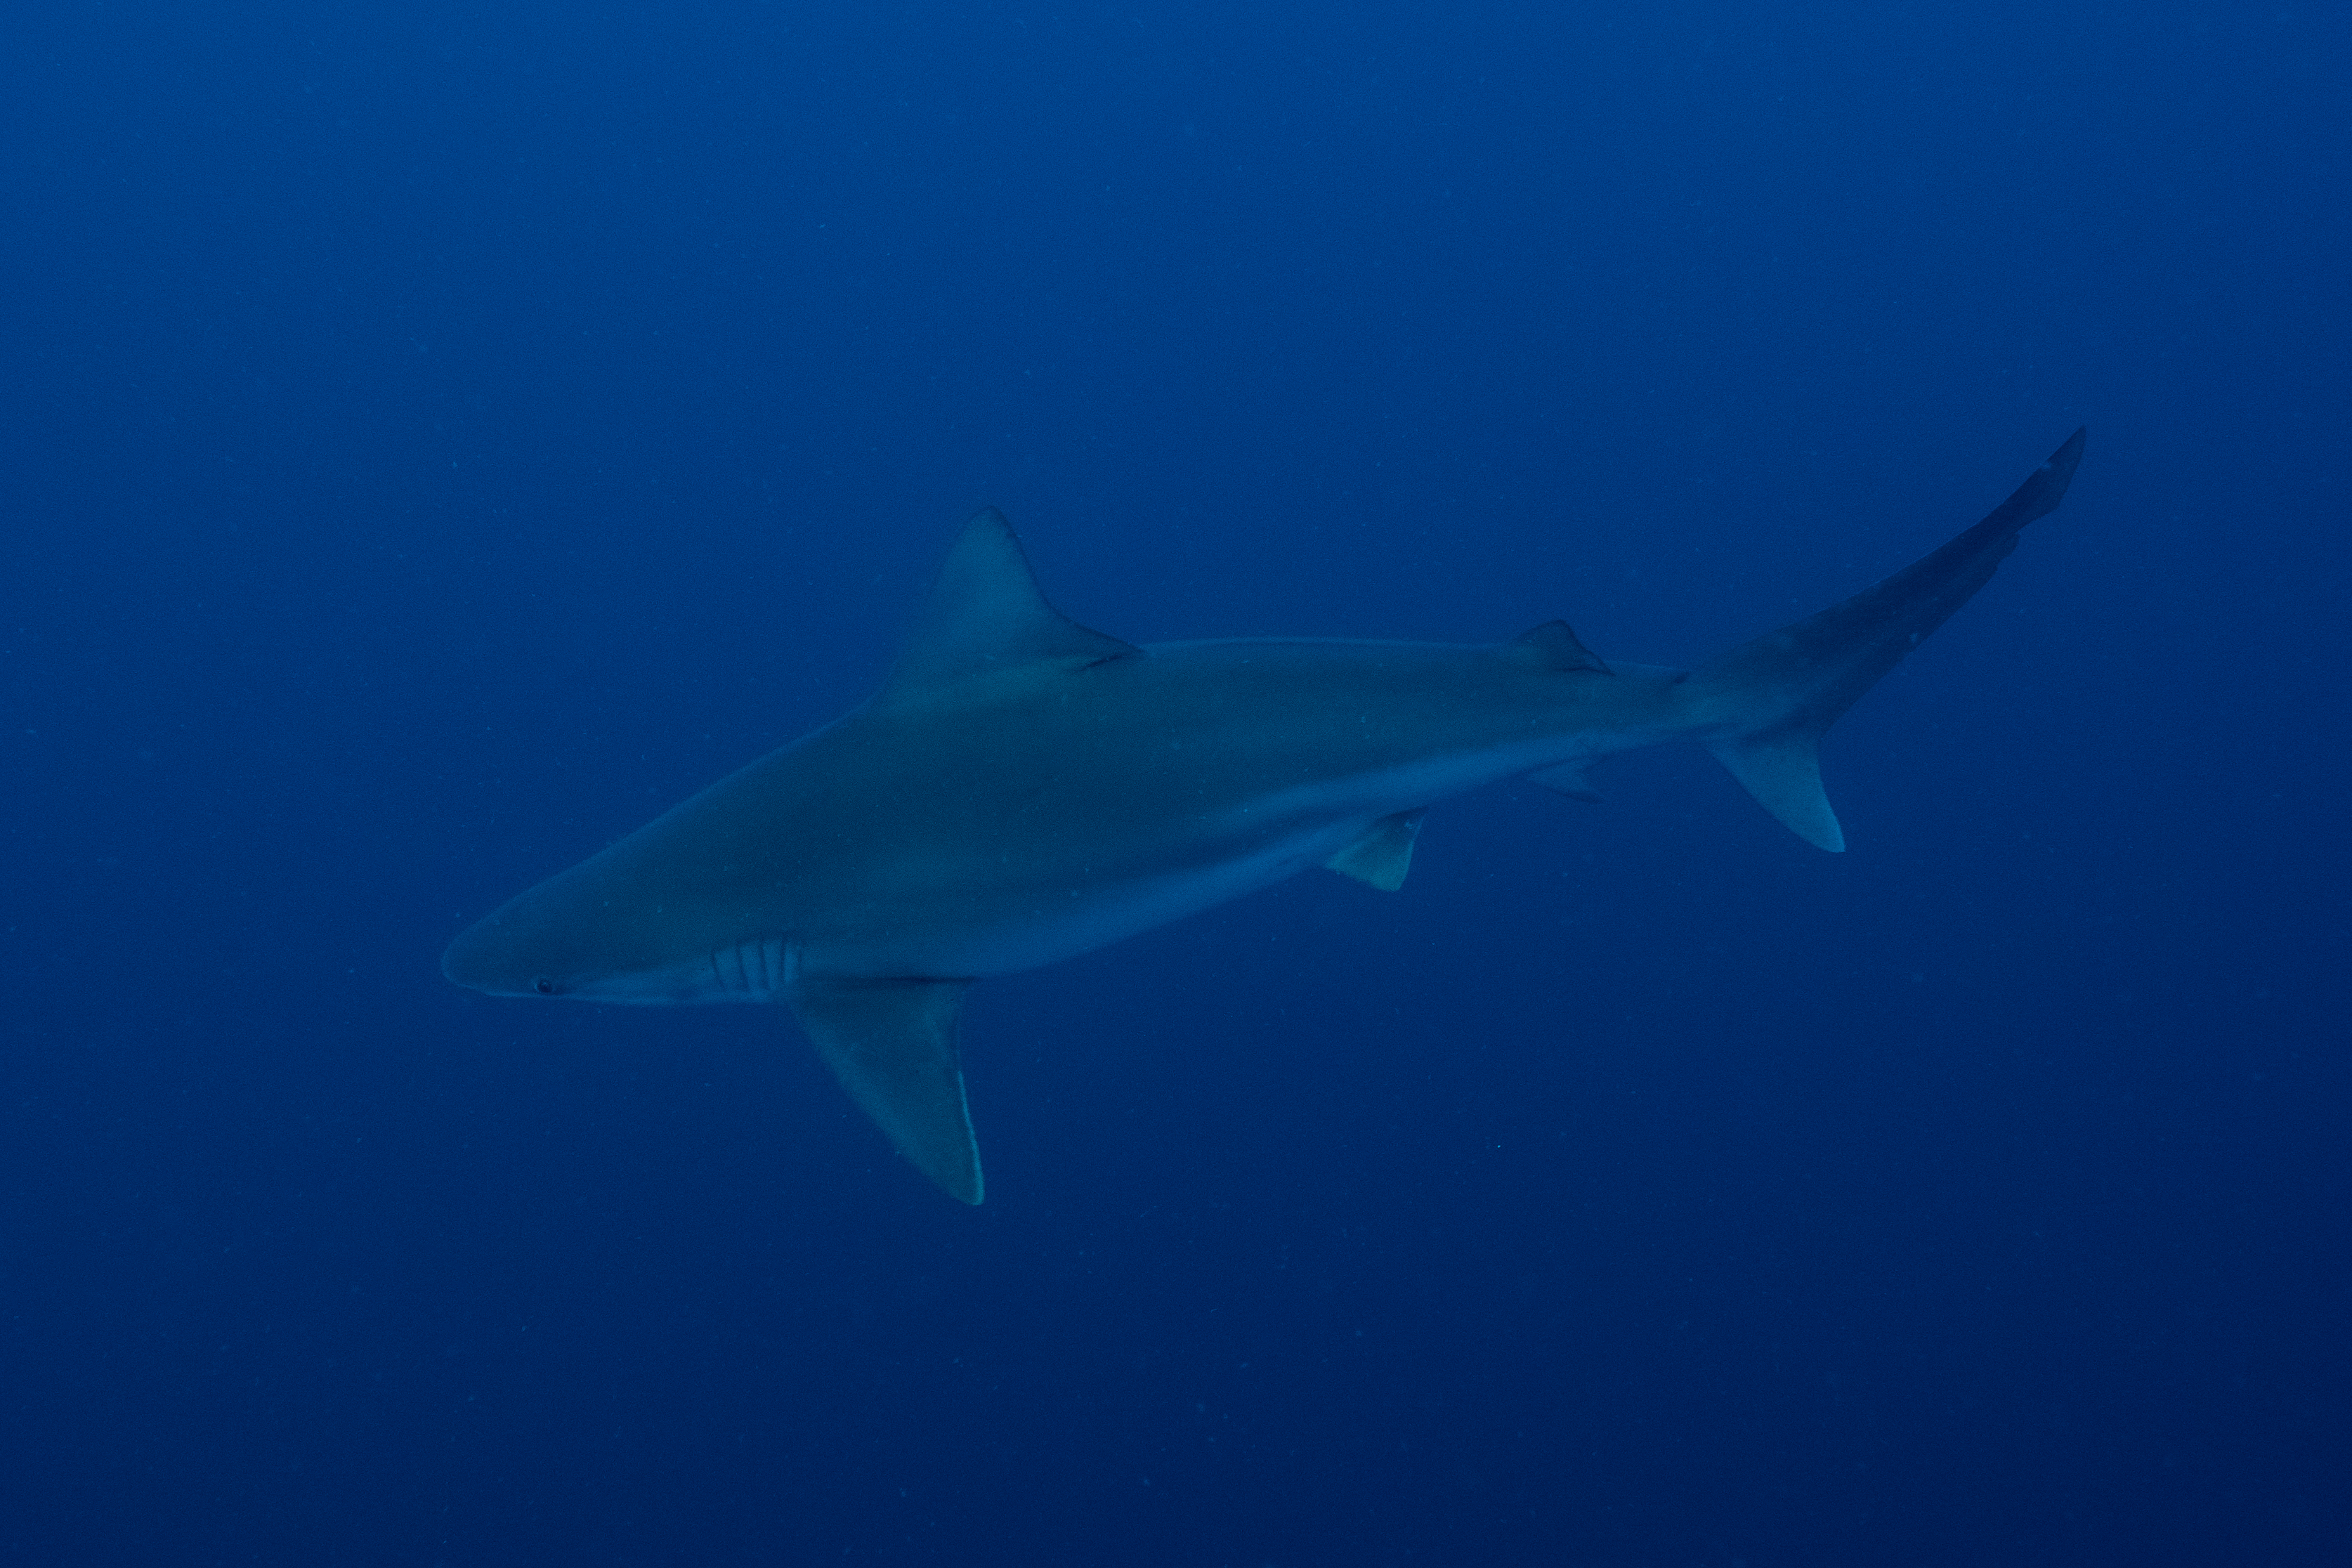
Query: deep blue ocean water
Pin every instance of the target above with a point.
(438, 439)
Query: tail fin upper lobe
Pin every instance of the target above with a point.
(1768, 703)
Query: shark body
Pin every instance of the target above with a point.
(1024, 789)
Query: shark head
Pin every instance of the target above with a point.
(527, 948)
(591, 934)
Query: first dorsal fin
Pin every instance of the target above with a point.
(985, 614)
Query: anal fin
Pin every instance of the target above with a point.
(1568, 779)
(892, 1044)
(1382, 855)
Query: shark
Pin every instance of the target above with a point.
(1022, 789)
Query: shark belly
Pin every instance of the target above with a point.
(965, 930)
(1030, 927)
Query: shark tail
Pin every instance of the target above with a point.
(1763, 707)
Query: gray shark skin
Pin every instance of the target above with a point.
(1024, 789)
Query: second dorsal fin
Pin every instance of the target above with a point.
(1554, 647)
(985, 614)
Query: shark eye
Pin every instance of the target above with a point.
(546, 988)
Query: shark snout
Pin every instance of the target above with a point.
(488, 956)
(464, 961)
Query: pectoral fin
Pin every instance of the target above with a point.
(1784, 774)
(892, 1044)
(1382, 855)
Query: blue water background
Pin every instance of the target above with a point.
(437, 438)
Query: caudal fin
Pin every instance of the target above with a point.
(1765, 706)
